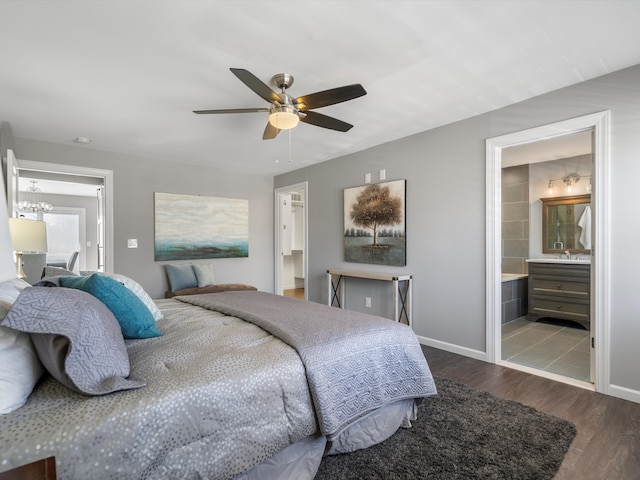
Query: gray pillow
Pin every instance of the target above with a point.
(181, 276)
(76, 337)
(204, 274)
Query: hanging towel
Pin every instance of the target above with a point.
(585, 224)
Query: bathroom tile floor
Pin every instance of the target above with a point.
(553, 348)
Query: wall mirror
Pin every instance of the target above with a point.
(566, 224)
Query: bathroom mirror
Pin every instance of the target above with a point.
(566, 224)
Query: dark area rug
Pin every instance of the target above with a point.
(462, 434)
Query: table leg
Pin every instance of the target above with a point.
(396, 314)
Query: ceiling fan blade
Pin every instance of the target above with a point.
(270, 132)
(329, 97)
(255, 84)
(233, 110)
(324, 121)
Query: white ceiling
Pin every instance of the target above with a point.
(127, 75)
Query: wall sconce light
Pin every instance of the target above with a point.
(27, 236)
(569, 182)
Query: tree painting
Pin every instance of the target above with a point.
(376, 207)
(374, 228)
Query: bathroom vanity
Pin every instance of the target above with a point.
(560, 289)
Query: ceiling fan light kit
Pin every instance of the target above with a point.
(285, 111)
(283, 117)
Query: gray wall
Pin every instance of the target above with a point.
(135, 181)
(445, 172)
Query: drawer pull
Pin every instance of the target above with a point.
(558, 307)
(559, 287)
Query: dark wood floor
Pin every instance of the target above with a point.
(607, 445)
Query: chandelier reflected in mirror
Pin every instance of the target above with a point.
(32, 202)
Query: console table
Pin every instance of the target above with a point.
(336, 281)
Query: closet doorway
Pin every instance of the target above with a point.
(291, 245)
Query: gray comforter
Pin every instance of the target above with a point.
(222, 394)
(209, 410)
(355, 363)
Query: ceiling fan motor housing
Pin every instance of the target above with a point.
(282, 80)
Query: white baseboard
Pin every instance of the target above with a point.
(450, 347)
(624, 393)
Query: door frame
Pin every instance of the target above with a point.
(106, 175)
(278, 229)
(600, 305)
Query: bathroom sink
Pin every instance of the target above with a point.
(559, 260)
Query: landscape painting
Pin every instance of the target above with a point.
(374, 224)
(189, 227)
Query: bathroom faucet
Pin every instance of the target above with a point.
(568, 254)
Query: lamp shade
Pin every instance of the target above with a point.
(28, 235)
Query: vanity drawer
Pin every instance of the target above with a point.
(566, 270)
(555, 308)
(566, 287)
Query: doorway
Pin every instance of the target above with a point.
(291, 243)
(546, 212)
(97, 182)
(599, 124)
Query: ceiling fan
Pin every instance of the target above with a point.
(285, 111)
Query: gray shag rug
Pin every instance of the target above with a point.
(462, 434)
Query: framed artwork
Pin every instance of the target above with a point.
(374, 224)
(189, 227)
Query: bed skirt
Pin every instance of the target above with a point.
(301, 460)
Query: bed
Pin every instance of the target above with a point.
(241, 384)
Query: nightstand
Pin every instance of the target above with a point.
(44, 469)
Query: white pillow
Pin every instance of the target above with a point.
(137, 289)
(204, 274)
(20, 367)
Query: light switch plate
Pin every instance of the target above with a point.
(132, 243)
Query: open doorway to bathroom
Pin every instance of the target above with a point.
(598, 277)
(291, 254)
(546, 249)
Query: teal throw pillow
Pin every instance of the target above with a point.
(181, 276)
(135, 319)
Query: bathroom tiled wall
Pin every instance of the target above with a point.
(514, 299)
(515, 219)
